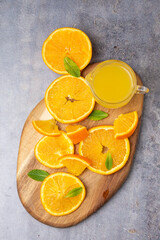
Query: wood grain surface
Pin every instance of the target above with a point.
(99, 188)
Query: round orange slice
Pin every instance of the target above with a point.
(70, 42)
(99, 142)
(75, 163)
(125, 125)
(76, 133)
(46, 127)
(49, 149)
(69, 99)
(54, 190)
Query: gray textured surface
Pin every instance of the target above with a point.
(120, 29)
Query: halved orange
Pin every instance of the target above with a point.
(69, 99)
(70, 42)
(76, 133)
(75, 163)
(125, 125)
(46, 127)
(100, 141)
(49, 149)
(54, 189)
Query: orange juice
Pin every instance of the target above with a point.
(113, 83)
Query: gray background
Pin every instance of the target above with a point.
(119, 29)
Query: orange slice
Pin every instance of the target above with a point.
(125, 125)
(49, 149)
(69, 99)
(100, 141)
(54, 189)
(46, 127)
(76, 133)
(70, 42)
(75, 163)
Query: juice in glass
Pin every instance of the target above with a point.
(113, 83)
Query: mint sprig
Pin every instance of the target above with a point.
(109, 161)
(38, 174)
(97, 115)
(71, 67)
(74, 192)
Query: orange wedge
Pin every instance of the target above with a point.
(70, 42)
(100, 141)
(75, 163)
(46, 127)
(49, 149)
(69, 99)
(54, 189)
(76, 133)
(125, 125)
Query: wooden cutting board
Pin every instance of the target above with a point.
(99, 188)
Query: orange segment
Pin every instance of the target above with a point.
(54, 189)
(95, 147)
(76, 133)
(69, 99)
(49, 149)
(75, 163)
(70, 42)
(46, 127)
(125, 125)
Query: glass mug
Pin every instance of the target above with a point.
(114, 83)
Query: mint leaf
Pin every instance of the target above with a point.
(74, 192)
(109, 161)
(71, 67)
(97, 115)
(38, 174)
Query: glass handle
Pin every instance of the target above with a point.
(142, 89)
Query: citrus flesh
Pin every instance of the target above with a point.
(100, 141)
(54, 189)
(46, 127)
(49, 149)
(69, 99)
(75, 163)
(125, 125)
(76, 133)
(70, 42)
